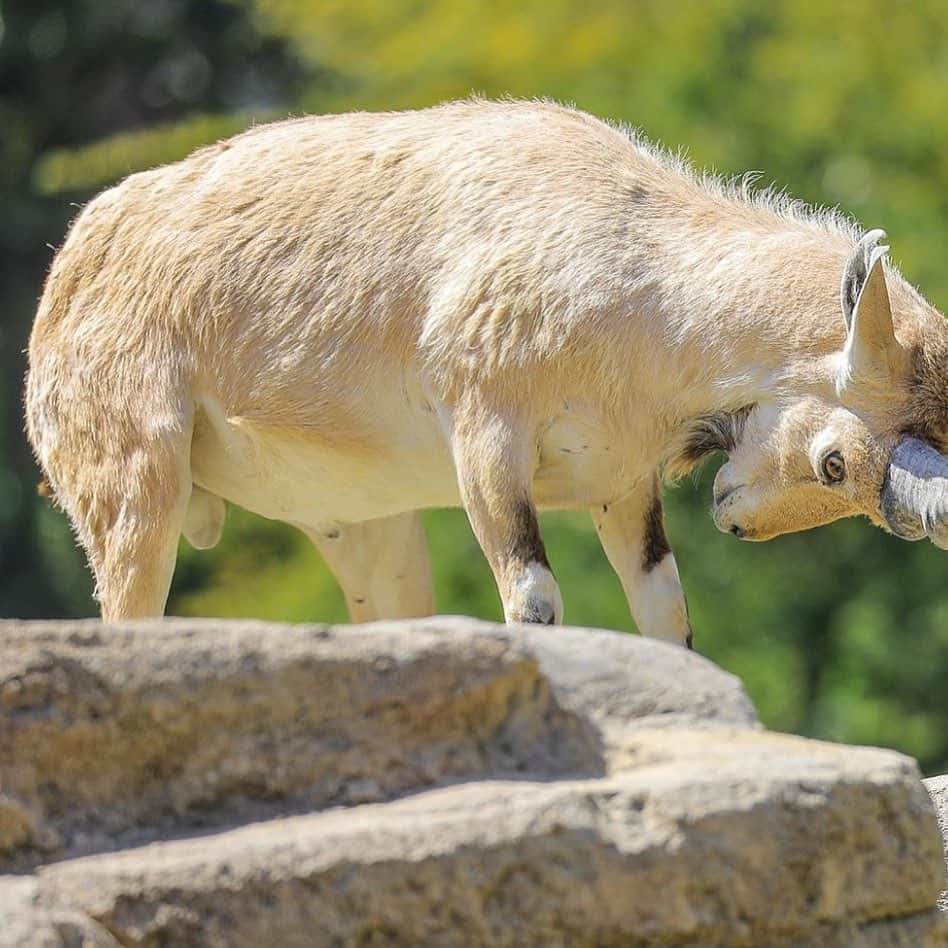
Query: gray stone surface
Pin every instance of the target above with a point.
(26, 923)
(120, 734)
(938, 791)
(441, 783)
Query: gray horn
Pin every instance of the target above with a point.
(915, 492)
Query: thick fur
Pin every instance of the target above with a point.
(338, 319)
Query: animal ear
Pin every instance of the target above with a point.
(871, 346)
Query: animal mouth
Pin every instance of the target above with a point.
(720, 514)
(723, 495)
(726, 520)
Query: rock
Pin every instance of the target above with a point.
(132, 732)
(441, 782)
(24, 923)
(16, 826)
(938, 790)
(685, 852)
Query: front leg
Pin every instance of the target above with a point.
(632, 533)
(495, 455)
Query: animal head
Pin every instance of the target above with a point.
(865, 437)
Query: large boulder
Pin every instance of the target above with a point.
(938, 790)
(437, 782)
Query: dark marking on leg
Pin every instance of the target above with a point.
(526, 543)
(690, 641)
(359, 600)
(655, 546)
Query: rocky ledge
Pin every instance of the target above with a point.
(442, 782)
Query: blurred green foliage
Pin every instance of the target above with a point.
(841, 632)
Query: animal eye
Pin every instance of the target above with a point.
(832, 468)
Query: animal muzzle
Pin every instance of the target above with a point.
(915, 493)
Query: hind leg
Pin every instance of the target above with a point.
(133, 573)
(382, 566)
(129, 519)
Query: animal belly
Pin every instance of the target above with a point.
(314, 475)
(299, 477)
(582, 463)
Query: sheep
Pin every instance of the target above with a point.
(337, 321)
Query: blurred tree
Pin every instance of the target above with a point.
(71, 72)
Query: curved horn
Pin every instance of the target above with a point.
(915, 492)
(856, 271)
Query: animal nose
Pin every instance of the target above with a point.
(737, 531)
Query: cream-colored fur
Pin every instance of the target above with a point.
(340, 319)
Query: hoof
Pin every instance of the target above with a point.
(539, 613)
